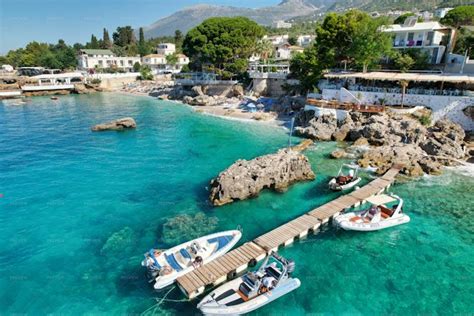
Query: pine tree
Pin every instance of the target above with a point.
(106, 43)
(94, 43)
(143, 48)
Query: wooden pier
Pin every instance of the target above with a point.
(229, 265)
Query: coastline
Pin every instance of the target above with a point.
(221, 111)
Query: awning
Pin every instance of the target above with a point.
(380, 199)
(408, 76)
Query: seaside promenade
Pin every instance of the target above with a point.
(229, 265)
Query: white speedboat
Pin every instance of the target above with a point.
(164, 267)
(378, 216)
(345, 180)
(253, 290)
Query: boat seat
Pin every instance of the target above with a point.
(385, 211)
(242, 296)
(222, 241)
(173, 263)
(182, 260)
(244, 288)
(273, 272)
(355, 218)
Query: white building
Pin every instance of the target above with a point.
(305, 40)
(104, 58)
(426, 16)
(159, 63)
(281, 24)
(447, 95)
(286, 51)
(48, 82)
(429, 36)
(166, 49)
(441, 12)
(277, 39)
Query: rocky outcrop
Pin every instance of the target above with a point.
(200, 95)
(318, 128)
(117, 125)
(246, 178)
(381, 140)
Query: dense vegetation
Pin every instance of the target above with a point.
(349, 40)
(54, 56)
(222, 45)
(63, 56)
(385, 5)
(459, 18)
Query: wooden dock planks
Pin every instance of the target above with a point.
(193, 283)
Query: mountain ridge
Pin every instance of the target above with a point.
(191, 16)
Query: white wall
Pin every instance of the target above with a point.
(442, 106)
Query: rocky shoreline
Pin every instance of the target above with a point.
(376, 140)
(381, 140)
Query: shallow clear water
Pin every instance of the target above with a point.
(66, 192)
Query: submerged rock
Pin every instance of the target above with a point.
(119, 242)
(246, 178)
(117, 125)
(185, 227)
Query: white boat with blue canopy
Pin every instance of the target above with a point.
(164, 267)
(252, 290)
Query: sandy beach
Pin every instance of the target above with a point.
(231, 112)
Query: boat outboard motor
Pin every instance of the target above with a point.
(290, 266)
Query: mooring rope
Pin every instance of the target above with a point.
(154, 308)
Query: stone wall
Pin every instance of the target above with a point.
(450, 107)
(270, 87)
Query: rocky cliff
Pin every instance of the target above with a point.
(246, 178)
(384, 139)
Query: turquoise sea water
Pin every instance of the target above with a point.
(66, 192)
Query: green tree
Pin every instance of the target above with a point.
(106, 43)
(57, 56)
(145, 73)
(265, 49)
(307, 68)
(292, 40)
(420, 57)
(172, 59)
(369, 45)
(457, 17)
(403, 62)
(143, 48)
(352, 39)
(94, 43)
(64, 54)
(178, 39)
(222, 44)
(465, 42)
(136, 66)
(78, 46)
(124, 36)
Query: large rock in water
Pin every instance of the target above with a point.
(117, 125)
(246, 178)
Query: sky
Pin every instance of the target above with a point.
(22, 21)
